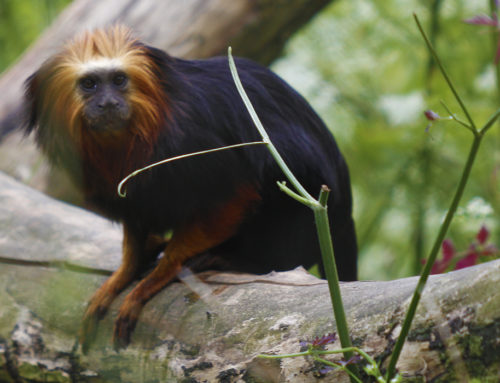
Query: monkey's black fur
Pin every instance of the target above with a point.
(204, 111)
(107, 105)
(207, 112)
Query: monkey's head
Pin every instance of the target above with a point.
(103, 87)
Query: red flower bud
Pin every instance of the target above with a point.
(448, 250)
(431, 115)
(482, 235)
(468, 260)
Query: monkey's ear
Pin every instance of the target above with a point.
(157, 55)
(24, 116)
(30, 109)
(160, 59)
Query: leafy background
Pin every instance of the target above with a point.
(364, 67)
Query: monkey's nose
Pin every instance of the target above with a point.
(109, 104)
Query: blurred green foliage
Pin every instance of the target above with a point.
(365, 68)
(21, 21)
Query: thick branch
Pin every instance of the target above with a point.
(214, 325)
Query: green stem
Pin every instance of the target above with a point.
(315, 354)
(490, 122)
(336, 366)
(435, 8)
(323, 227)
(281, 356)
(445, 74)
(326, 246)
(122, 183)
(432, 257)
(478, 135)
(494, 41)
(455, 118)
(320, 213)
(265, 137)
(285, 189)
(321, 352)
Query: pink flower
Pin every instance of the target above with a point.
(431, 115)
(468, 260)
(448, 250)
(490, 21)
(482, 235)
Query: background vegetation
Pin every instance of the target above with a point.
(21, 21)
(364, 67)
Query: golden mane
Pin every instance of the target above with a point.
(57, 104)
(110, 47)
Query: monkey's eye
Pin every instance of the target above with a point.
(120, 80)
(88, 84)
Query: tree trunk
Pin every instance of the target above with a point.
(212, 326)
(189, 29)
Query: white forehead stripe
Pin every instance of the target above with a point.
(102, 63)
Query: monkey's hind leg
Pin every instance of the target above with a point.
(138, 251)
(192, 239)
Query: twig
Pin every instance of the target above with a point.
(478, 135)
(445, 74)
(122, 183)
(319, 208)
(63, 265)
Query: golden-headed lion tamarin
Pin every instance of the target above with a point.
(108, 104)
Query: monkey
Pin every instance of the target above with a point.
(107, 104)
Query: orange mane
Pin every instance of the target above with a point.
(61, 106)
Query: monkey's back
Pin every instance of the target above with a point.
(207, 112)
(107, 104)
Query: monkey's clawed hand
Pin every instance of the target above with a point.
(124, 325)
(99, 305)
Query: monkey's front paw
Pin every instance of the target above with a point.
(125, 324)
(88, 329)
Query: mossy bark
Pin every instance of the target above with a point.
(211, 327)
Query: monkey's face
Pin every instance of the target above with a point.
(104, 95)
(103, 88)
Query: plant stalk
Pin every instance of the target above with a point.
(319, 208)
(494, 42)
(444, 73)
(265, 137)
(122, 183)
(325, 241)
(391, 369)
(326, 246)
(315, 353)
(478, 135)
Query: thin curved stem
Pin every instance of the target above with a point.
(265, 137)
(319, 208)
(122, 183)
(445, 74)
(431, 259)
